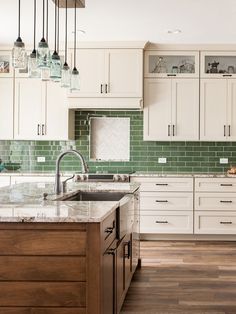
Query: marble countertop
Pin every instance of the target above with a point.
(181, 174)
(24, 202)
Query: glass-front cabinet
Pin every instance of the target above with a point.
(6, 69)
(218, 64)
(171, 64)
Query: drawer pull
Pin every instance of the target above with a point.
(164, 201)
(226, 184)
(161, 184)
(226, 222)
(109, 230)
(226, 201)
(161, 222)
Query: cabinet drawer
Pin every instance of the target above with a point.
(166, 201)
(149, 184)
(215, 201)
(108, 231)
(215, 184)
(215, 222)
(167, 222)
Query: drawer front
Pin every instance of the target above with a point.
(215, 223)
(215, 184)
(167, 222)
(108, 231)
(215, 201)
(165, 184)
(166, 201)
(42, 242)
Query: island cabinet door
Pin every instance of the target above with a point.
(109, 280)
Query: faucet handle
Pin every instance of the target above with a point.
(45, 195)
(64, 183)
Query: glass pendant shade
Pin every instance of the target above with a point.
(75, 83)
(45, 74)
(65, 76)
(34, 71)
(19, 55)
(43, 54)
(55, 69)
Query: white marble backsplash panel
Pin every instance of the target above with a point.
(110, 139)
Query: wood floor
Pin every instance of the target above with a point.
(183, 278)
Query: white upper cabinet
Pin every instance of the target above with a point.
(218, 64)
(106, 74)
(218, 109)
(171, 109)
(171, 64)
(6, 108)
(40, 111)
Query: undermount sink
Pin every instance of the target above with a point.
(96, 196)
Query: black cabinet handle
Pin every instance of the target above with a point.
(106, 88)
(164, 201)
(226, 222)
(227, 75)
(43, 127)
(127, 253)
(168, 129)
(224, 130)
(173, 130)
(229, 130)
(162, 184)
(161, 222)
(171, 74)
(226, 201)
(226, 184)
(110, 252)
(101, 88)
(38, 129)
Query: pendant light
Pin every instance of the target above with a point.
(75, 73)
(55, 70)
(65, 73)
(19, 56)
(45, 71)
(34, 71)
(43, 53)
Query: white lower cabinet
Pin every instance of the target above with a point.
(215, 201)
(167, 222)
(215, 222)
(166, 205)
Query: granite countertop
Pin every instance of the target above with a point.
(24, 202)
(181, 174)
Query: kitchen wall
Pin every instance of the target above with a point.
(181, 156)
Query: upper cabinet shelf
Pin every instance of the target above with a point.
(171, 64)
(218, 64)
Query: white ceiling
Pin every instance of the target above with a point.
(201, 21)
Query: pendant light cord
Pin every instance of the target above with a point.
(55, 44)
(43, 16)
(19, 21)
(47, 23)
(75, 39)
(66, 36)
(58, 25)
(34, 22)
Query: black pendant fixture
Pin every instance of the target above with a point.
(75, 73)
(43, 52)
(65, 73)
(34, 71)
(55, 70)
(19, 56)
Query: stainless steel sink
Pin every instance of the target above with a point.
(96, 196)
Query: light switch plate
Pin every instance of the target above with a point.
(40, 159)
(224, 160)
(162, 160)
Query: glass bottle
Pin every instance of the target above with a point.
(19, 55)
(65, 76)
(55, 69)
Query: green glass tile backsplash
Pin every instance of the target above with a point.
(181, 156)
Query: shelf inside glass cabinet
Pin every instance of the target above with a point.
(175, 64)
(215, 64)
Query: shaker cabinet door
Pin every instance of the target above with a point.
(213, 108)
(6, 108)
(185, 109)
(157, 109)
(29, 98)
(231, 110)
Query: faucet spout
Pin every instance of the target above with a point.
(58, 162)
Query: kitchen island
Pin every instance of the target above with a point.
(64, 257)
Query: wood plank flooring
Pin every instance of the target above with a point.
(184, 277)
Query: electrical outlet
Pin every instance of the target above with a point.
(224, 160)
(40, 159)
(162, 160)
